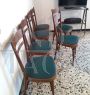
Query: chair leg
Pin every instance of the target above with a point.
(70, 33)
(53, 37)
(57, 48)
(75, 51)
(65, 34)
(25, 84)
(55, 54)
(52, 87)
(73, 54)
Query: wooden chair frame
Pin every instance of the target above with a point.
(59, 32)
(59, 20)
(14, 43)
(33, 15)
(26, 28)
(31, 19)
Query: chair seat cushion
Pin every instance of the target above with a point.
(42, 33)
(41, 67)
(69, 39)
(40, 46)
(42, 27)
(65, 28)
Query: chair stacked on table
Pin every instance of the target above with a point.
(40, 66)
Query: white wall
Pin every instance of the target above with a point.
(11, 13)
(43, 11)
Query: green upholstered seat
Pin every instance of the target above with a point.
(66, 28)
(42, 33)
(42, 27)
(69, 39)
(40, 46)
(41, 67)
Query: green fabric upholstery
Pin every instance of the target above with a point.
(65, 28)
(41, 67)
(69, 39)
(40, 46)
(42, 33)
(42, 27)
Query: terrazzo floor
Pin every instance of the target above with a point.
(70, 80)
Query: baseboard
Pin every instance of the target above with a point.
(75, 30)
(51, 30)
(82, 29)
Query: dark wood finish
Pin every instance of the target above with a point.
(33, 14)
(14, 44)
(52, 87)
(58, 33)
(53, 12)
(32, 21)
(23, 26)
(26, 30)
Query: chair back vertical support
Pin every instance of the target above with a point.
(57, 30)
(54, 21)
(31, 16)
(34, 17)
(16, 50)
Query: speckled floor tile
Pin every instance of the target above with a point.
(71, 80)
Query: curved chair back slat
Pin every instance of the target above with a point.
(16, 44)
(57, 21)
(26, 32)
(31, 16)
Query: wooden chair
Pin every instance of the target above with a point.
(65, 28)
(35, 47)
(34, 69)
(37, 26)
(41, 31)
(65, 40)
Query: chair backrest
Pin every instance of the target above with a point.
(32, 16)
(31, 25)
(27, 35)
(56, 16)
(16, 44)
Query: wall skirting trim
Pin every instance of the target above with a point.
(75, 30)
(82, 30)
